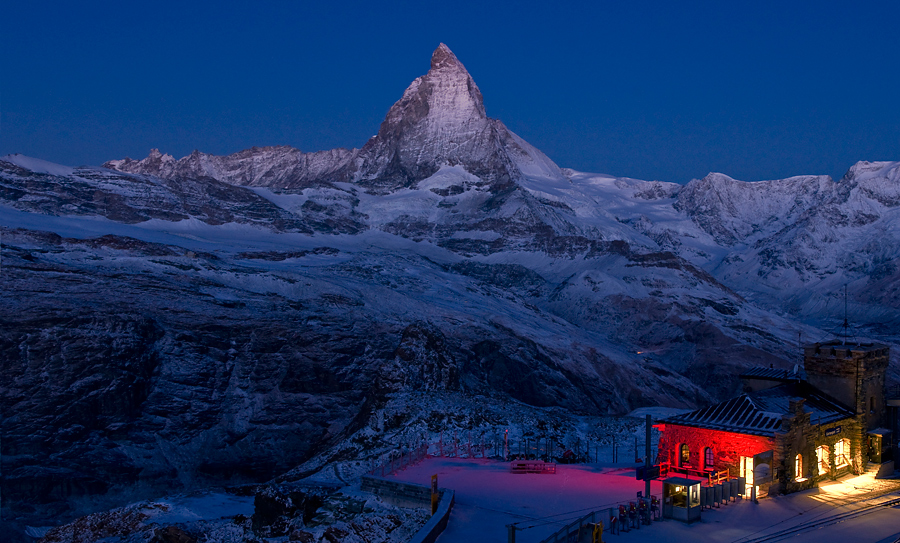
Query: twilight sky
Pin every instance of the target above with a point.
(651, 90)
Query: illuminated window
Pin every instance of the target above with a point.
(822, 459)
(798, 467)
(708, 458)
(842, 453)
(679, 496)
(695, 495)
(685, 455)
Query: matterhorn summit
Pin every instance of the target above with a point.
(439, 121)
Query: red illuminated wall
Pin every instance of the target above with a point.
(727, 447)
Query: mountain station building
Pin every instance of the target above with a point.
(789, 431)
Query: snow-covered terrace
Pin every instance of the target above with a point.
(489, 497)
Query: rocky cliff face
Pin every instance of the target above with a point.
(175, 322)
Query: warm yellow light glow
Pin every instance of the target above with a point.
(847, 490)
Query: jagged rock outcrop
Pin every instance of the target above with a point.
(280, 167)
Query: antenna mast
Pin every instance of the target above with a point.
(846, 325)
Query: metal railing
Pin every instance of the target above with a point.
(398, 460)
(575, 528)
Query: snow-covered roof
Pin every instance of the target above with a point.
(760, 413)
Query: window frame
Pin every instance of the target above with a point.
(709, 458)
(842, 453)
(823, 459)
(684, 455)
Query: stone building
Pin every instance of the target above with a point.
(789, 431)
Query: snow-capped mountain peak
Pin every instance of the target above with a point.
(441, 121)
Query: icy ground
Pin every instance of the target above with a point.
(489, 497)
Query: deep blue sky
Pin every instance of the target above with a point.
(652, 90)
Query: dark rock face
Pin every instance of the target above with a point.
(424, 358)
(274, 508)
(159, 384)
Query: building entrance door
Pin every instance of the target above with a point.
(746, 465)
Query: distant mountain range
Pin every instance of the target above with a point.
(230, 317)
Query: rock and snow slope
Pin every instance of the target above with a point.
(228, 318)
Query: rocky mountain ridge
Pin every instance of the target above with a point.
(439, 121)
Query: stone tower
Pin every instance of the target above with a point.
(852, 374)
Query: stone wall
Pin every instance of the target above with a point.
(853, 374)
(799, 435)
(398, 493)
(727, 447)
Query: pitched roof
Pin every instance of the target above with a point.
(760, 413)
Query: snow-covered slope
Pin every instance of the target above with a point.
(739, 212)
(794, 244)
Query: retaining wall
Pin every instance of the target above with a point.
(401, 494)
(413, 495)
